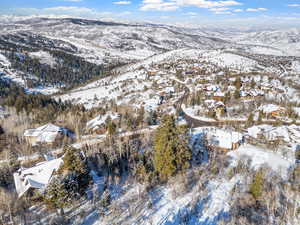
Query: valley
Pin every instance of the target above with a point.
(136, 123)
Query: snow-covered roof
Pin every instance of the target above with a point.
(252, 92)
(287, 133)
(212, 87)
(223, 139)
(219, 94)
(213, 104)
(181, 121)
(270, 108)
(46, 133)
(37, 177)
(100, 120)
(169, 89)
(2, 112)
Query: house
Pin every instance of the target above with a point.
(98, 124)
(3, 114)
(273, 111)
(251, 94)
(275, 134)
(151, 73)
(217, 106)
(47, 134)
(219, 96)
(37, 177)
(224, 141)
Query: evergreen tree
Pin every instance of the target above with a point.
(172, 153)
(237, 94)
(111, 128)
(250, 120)
(257, 186)
(260, 116)
(238, 83)
(70, 183)
(73, 161)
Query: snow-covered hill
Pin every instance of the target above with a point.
(112, 44)
(98, 41)
(286, 40)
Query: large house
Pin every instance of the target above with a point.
(37, 177)
(273, 111)
(224, 141)
(279, 134)
(98, 124)
(47, 134)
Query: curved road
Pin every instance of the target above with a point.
(193, 122)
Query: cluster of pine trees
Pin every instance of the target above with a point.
(171, 151)
(68, 71)
(44, 107)
(171, 154)
(71, 181)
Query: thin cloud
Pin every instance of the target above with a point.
(191, 14)
(238, 10)
(72, 0)
(172, 5)
(122, 3)
(71, 11)
(219, 9)
(158, 5)
(293, 5)
(256, 9)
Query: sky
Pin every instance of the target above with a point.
(190, 12)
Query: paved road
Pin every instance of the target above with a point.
(193, 122)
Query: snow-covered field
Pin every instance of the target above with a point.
(224, 60)
(44, 57)
(261, 157)
(4, 61)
